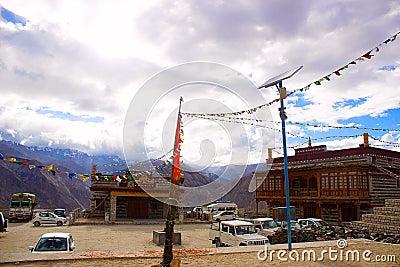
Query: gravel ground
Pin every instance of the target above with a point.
(131, 245)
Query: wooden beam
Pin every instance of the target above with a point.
(138, 194)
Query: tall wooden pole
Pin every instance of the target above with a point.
(173, 200)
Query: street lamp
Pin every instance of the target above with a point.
(277, 81)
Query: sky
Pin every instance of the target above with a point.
(73, 72)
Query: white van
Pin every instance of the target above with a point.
(222, 206)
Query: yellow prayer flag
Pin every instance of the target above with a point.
(48, 168)
(84, 177)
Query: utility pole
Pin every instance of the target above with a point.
(277, 81)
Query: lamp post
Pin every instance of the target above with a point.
(277, 81)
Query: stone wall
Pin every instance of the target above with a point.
(384, 219)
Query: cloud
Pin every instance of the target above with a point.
(86, 60)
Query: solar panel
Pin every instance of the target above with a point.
(277, 79)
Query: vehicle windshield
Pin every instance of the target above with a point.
(321, 223)
(245, 229)
(269, 224)
(15, 204)
(51, 244)
(25, 203)
(293, 224)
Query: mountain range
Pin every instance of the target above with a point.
(57, 190)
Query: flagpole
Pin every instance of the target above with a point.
(172, 207)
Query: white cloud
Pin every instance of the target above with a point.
(89, 59)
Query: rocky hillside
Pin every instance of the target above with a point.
(52, 191)
(240, 194)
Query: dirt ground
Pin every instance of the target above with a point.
(131, 245)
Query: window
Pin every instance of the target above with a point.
(245, 229)
(351, 182)
(296, 183)
(232, 230)
(313, 182)
(225, 228)
(51, 244)
(271, 183)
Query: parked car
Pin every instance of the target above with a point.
(235, 233)
(265, 226)
(60, 212)
(312, 223)
(54, 242)
(293, 224)
(48, 218)
(224, 215)
(3, 223)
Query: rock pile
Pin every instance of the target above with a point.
(331, 233)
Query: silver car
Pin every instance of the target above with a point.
(48, 218)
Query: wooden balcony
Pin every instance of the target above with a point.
(304, 192)
(270, 193)
(344, 193)
(313, 193)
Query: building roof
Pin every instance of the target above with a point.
(320, 152)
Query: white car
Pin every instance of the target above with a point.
(265, 226)
(224, 215)
(48, 218)
(54, 242)
(312, 223)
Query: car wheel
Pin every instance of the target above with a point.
(218, 243)
(36, 223)
(59, 223)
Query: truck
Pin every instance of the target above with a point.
(235, 233)
(22, 206)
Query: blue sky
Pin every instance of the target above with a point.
(11, 17)
(70, 69)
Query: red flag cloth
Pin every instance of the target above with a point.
(367, 55)
(176, 173)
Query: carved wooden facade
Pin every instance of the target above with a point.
(337, 185)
